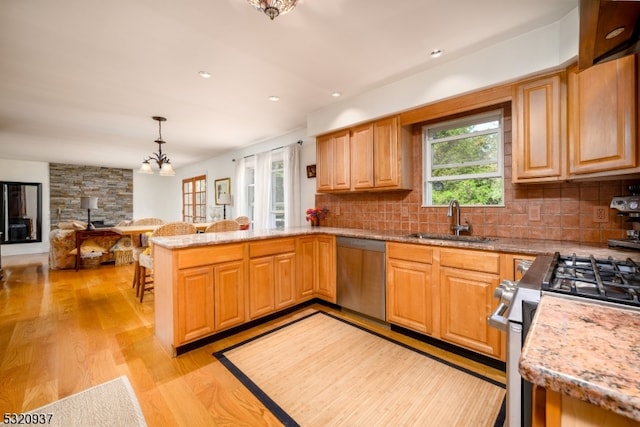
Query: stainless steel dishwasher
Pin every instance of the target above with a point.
(361, 275)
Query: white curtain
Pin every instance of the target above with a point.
(262, 218)
(291, 185)
(240, 200)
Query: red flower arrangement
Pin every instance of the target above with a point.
(314, 215)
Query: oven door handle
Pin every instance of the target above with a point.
(497, 319)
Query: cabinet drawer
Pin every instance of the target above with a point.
(194, 257)
(487, 262)
(417, 253)
(271, 247)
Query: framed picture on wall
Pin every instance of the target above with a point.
(223, 186)
(311, 171)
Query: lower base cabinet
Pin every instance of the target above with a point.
(446, 293)
(409, 295)
(195, 303)
(552, 409)
(316, 271)
(228, 295)
(466, 300)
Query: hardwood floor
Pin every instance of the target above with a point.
(62, 331)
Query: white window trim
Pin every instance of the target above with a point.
(467, 120)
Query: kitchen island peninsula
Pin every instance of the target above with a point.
(211, 283)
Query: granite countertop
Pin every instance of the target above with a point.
(516, 246)
(586, 350)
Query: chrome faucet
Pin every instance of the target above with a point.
(457, 228)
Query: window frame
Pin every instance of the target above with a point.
(196, 197)
(466, 120)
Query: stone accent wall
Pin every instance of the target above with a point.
(113, 187)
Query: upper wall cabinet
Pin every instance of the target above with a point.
(603, 119)
(539, 120)
(333, 162)
(588, 130)
(378, 158)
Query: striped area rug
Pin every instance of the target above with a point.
(321, 370)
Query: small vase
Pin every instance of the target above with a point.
(315, 222)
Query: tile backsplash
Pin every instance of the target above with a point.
(553, 211)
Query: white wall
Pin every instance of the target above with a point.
(544, 48)
(23, 171)
(224, 166)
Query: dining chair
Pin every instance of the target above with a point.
(244, 221)
(223, 225)
(145, 260)
(139, 246)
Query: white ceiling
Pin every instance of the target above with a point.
(80, 79)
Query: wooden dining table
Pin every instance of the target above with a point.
(136, 231)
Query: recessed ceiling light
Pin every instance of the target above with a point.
(204, 74)
(614, 33)
(436, 53)
(336, 94)
(274, 98)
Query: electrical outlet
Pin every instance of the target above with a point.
(336, 210)
(405, 211)
(534, 213)
(600, 214)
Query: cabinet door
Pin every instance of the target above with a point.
(409, 295)
(305, 267)
(229, 294)
(386, 153)
(194, 304)
(539, 144)
(324, 161)
(284, 267)
(603, 118)
(466, 300)
(325, 262)
(362, 157)
(333, 162)
(261, 286)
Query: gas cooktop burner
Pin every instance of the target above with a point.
(606, 280)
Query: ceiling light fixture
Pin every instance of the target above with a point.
(336, 94)
(436, 53)
(163, 162)
(204, 74)
(273, 8)
(274, 98)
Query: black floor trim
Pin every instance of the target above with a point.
(285, 418)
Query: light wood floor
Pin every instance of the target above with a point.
(64, 331)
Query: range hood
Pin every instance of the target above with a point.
(609, 29)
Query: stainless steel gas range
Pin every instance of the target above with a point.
(604, 281)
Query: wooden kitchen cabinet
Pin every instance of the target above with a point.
(271, 276)
(316, 267)
(540, 134)
(391, 155)
(362, 157)
(379, 158)
(198, 291)
(467, 280)
(194, 303)
(409, 295)
(229, 299)
(603, 119)
(333, 162)
(552, 409)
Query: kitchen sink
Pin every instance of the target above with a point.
(436, 236)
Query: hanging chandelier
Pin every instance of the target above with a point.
(161, 159)
(273, 8)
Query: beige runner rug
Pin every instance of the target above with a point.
(113, 403)
(322, 370)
